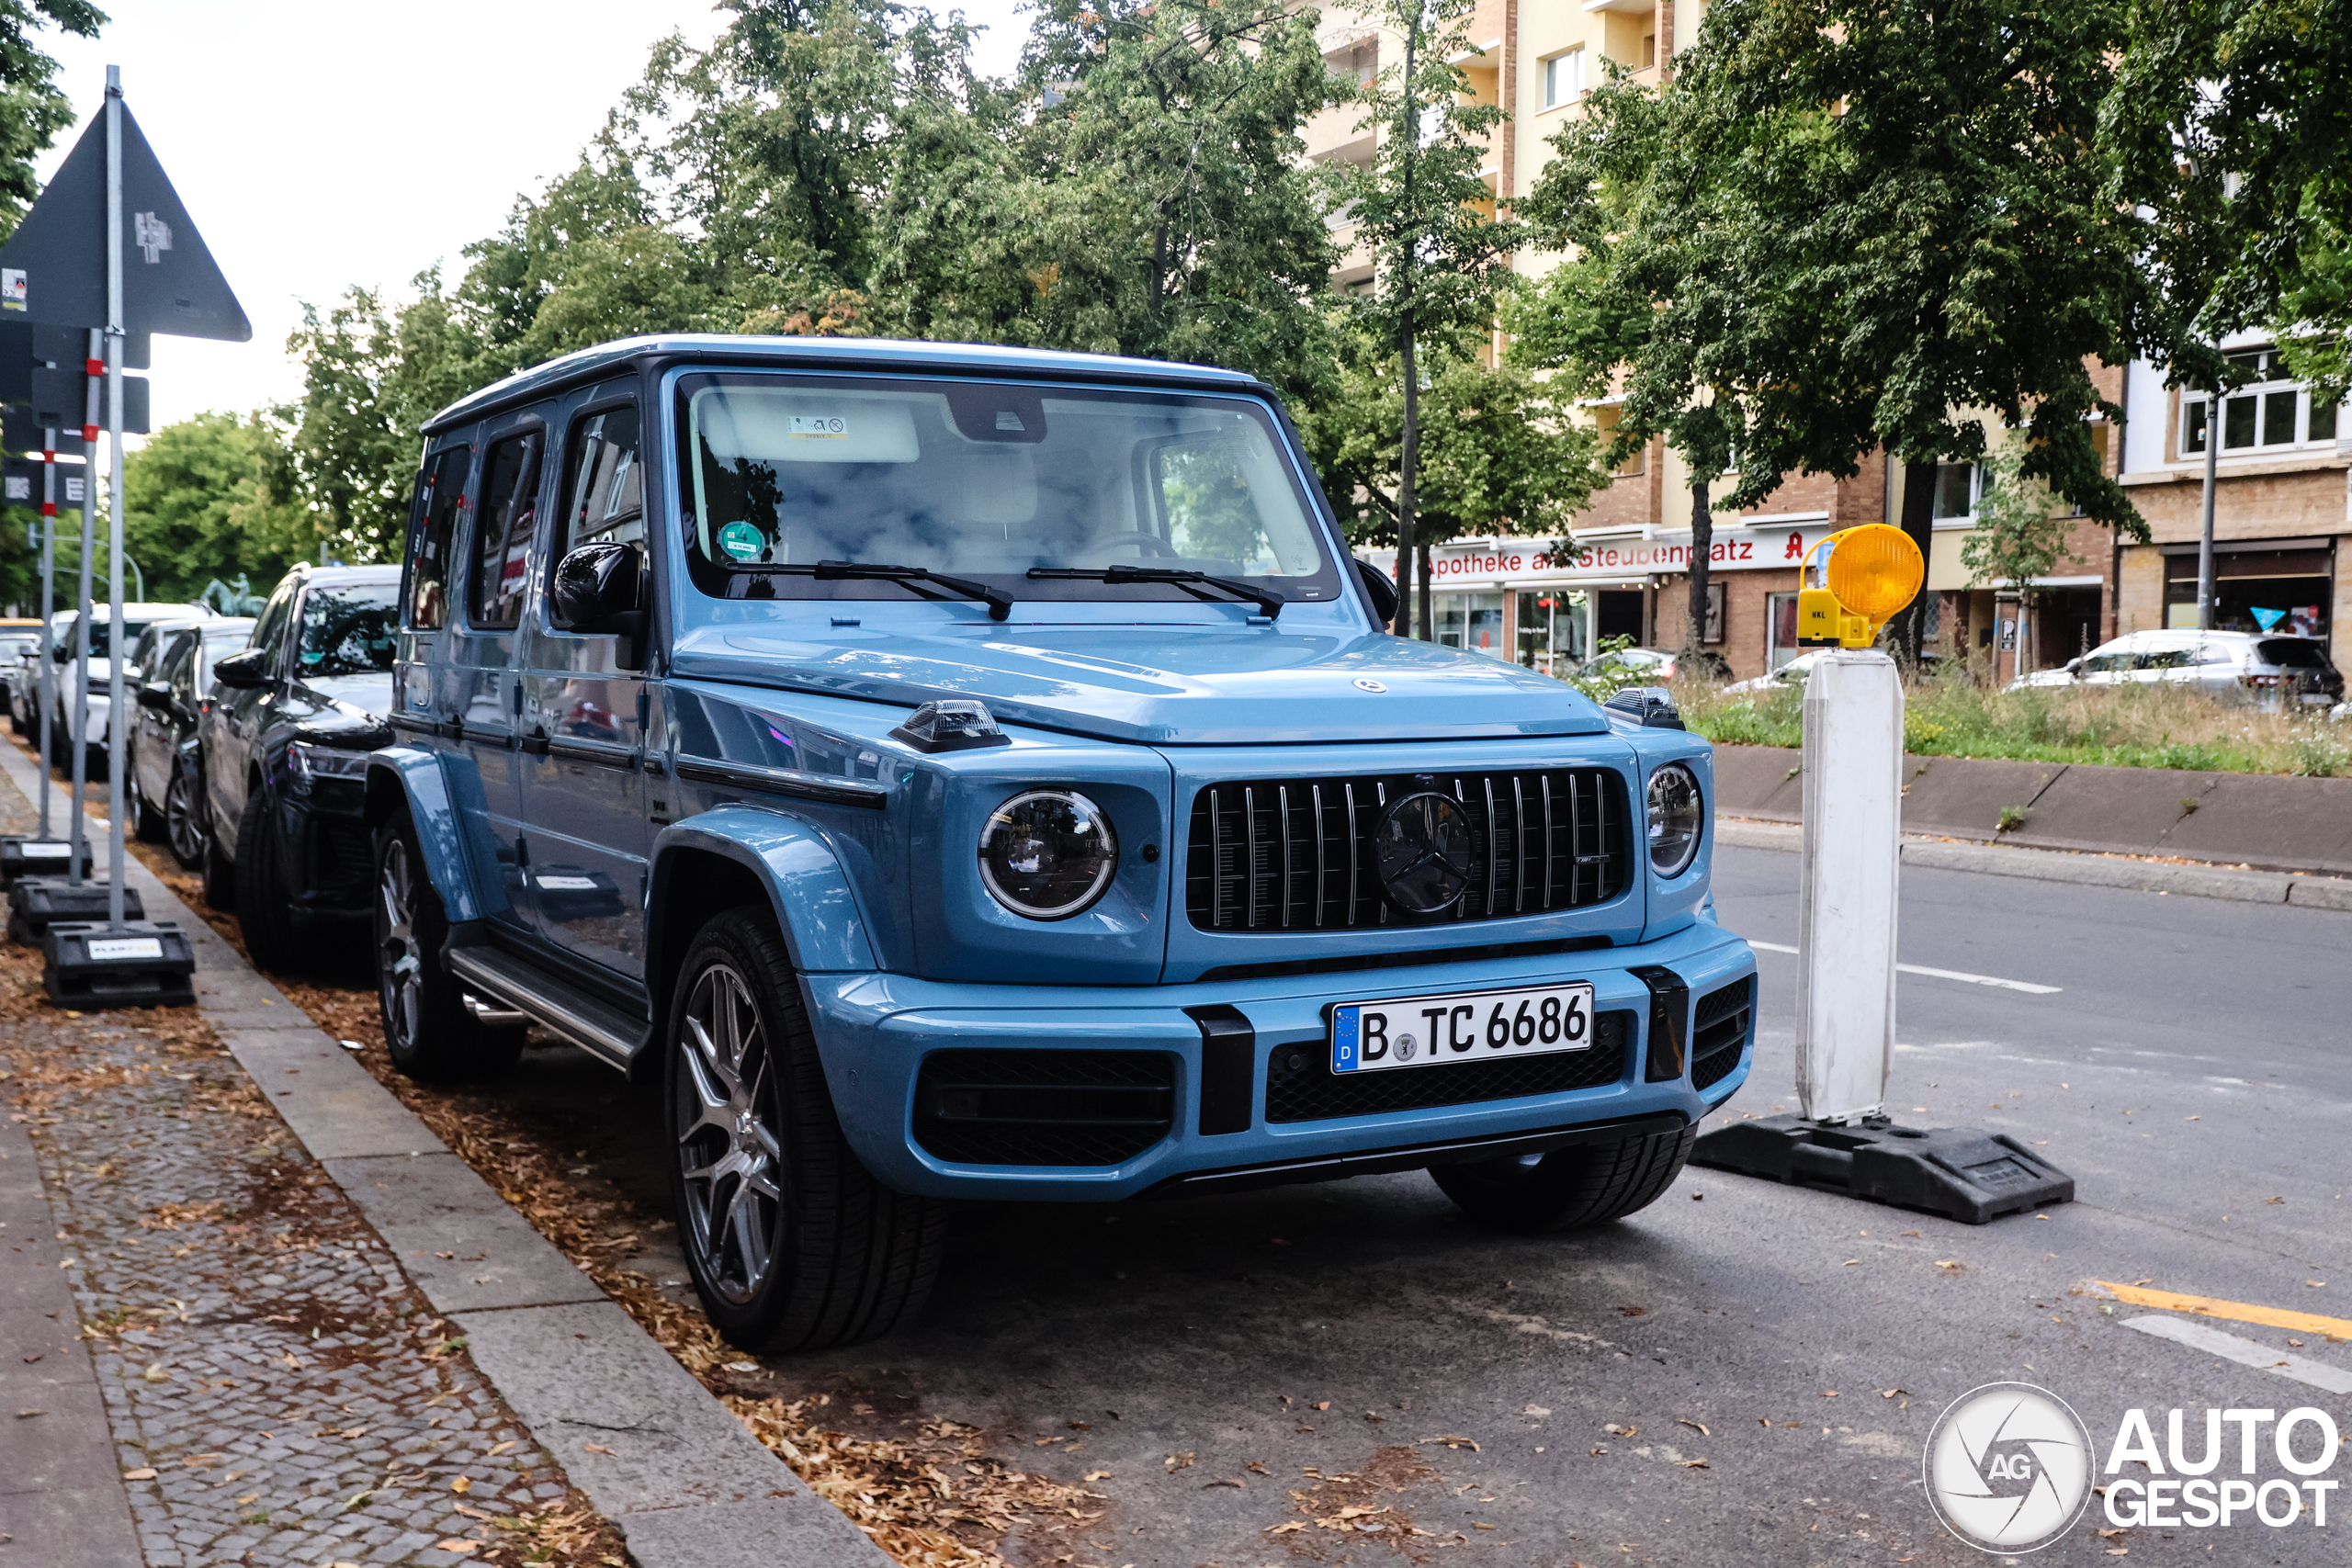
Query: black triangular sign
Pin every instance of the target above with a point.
(53, 268)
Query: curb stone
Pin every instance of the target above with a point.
(2061, 865)
(684, 1482)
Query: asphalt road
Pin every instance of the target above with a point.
(2193, 1071)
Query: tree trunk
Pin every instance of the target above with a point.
(1703, 542)
(1428, 606)
(1409, 459)
(1919, 522)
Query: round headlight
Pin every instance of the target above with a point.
(1678, 818)
(1047, 854)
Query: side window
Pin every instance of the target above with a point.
(504, 524)
(440, 497)
(604, 496)
(270, 629)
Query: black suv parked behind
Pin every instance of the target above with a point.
(285, 737)
(164, 773)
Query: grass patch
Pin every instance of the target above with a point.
(2154, 725)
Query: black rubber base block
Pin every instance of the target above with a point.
(37, 903)
(1957, 1172)
(22, 857)
(140, 964)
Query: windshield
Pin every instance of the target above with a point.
(347, 629)
(101, 637)
(986, 480)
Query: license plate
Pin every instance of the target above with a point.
(1429, 1032)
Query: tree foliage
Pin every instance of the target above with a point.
(213, 496)
(32, 111)
(2021, 532)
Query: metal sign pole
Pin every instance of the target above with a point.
(117, 747)
(47, 694)
(75, 820)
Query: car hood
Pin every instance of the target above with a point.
(1163, 685)
(334, 702)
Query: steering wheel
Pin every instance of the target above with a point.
(1149, 544)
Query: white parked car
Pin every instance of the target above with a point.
(2255, 664)
(136, 620)
(1793, 674)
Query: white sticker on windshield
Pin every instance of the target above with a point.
(827, 427)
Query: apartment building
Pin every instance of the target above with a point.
(2282, 500)
(1621, 570)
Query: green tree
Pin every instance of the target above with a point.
(211, 497)
(1143, 192)
(2227, 124)
(2021, 532)
(32, 111)
(1428, 220)
(1501, 451)
(1862, 224)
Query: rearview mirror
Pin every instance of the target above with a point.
(1378, 590)
(246, 671)
(597, 587)
(155, 694)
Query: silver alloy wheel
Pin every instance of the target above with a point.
(400, 967)
(179, 819)
(730, 1158)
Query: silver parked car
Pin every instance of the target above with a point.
(2296, 669)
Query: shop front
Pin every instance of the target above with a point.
(2259, 585)
(1548, 603)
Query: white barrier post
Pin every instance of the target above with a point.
(1846, 896)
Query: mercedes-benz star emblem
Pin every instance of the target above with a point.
(1421, 852)
(1366, 684)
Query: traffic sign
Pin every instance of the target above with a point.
(20, 482)
(53, 268)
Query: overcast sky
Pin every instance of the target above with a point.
(320, 146)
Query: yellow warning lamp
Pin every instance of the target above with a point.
(1869, 574)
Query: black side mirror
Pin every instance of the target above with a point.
(597, 586)
(246, 671)
(1378, 588)
(156, 694)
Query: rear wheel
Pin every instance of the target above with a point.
(273, 937)
(792, 1243)
(1584, 1184)
(431, 1033)
(182, 824)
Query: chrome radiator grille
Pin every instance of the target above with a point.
(1295, 854)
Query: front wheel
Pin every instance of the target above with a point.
(273, 937)
(792, 1243)
(429, 1031)
(1584, 1184)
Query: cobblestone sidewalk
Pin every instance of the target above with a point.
(278, 1393)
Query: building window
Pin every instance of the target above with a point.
(1781, 626)
(2272, 412)
(1551, 630)
(1959, 487)
(1473, 621)
(1563, 78)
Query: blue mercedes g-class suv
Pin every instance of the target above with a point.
(949, 772)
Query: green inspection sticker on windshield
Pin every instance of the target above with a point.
(742, 540)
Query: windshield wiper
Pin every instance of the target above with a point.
(999, 601)
(1265, 599)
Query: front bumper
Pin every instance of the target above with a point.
(874, 1031)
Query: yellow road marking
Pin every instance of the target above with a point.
(2336, 1328)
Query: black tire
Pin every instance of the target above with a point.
(1584, 1184)
(184, 825)
(431, 1033)
(219, 876)
(273, 931)
(145, 820)
(757, 1161)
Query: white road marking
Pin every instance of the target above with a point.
(2027, 987)
(2245, 1352)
